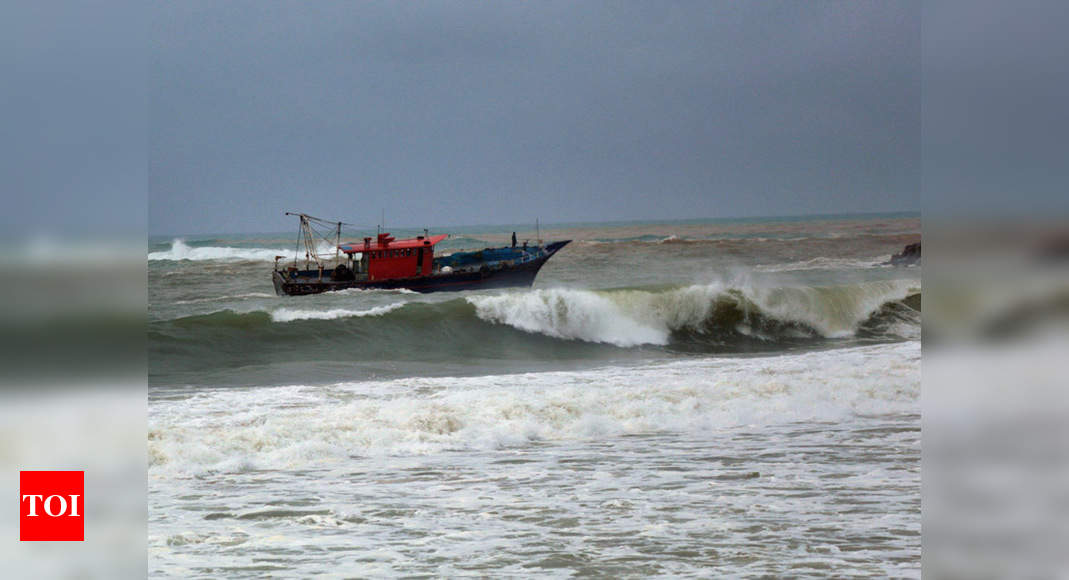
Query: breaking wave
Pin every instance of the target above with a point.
(691, 314)
(182, 251)
(528, 327)
(296, 427)
(291, 314)
(568, 314)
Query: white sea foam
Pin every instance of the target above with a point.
(181, 251)
(569, 314)
(291, 314)
(360, 291)
(634, 317)
(823, 263)
(297, 427)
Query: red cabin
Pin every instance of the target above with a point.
(386, 258)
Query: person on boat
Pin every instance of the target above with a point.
(513, 239)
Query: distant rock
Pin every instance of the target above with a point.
(909, 255)
(1054, 249)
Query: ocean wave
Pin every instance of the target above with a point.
(226, 297)
(182, 251)
(297, 427)
(366, 291)
(643, 239)
(635, 317)
(568, 314)
(823, 263)
(292, 314)
(536, 326)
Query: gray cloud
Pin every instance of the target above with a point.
(455, 113)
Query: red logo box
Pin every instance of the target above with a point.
(52, 506)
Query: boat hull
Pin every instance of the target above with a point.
(515, 276)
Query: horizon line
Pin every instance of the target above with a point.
(580, 222)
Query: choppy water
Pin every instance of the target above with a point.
(721, 397)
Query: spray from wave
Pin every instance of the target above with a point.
(180, 250)
(634, 317)
(568, 314)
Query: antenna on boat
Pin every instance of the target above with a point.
(538, 231)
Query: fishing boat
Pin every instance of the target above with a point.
(411, 263)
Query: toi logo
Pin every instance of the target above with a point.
(51, 506)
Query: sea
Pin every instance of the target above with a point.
(723, 397)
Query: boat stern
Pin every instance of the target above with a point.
(278, 280)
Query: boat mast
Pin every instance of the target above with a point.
(297, 248)
(337, 243)
(309, 242)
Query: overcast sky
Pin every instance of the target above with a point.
(453, 113)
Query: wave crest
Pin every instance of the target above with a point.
(182, 251)
(568, 314)
(700, 312)
(292, 314)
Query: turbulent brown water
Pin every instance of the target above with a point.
(727, 397)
